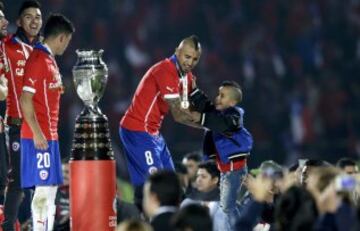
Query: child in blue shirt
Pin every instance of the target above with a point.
(226, 140)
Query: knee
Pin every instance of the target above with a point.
(39, 200)
(225, 207)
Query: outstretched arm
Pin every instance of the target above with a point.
(215, 120)
(183, 116)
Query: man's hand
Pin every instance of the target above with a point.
(199, 100)
(3, 80)
(40, 141)
(260, 188)
(329, 201)
(196, 116)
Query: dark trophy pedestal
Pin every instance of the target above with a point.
(91, 137)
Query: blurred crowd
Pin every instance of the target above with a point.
(311, 194)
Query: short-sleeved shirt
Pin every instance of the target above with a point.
(43, 79)
(16, 54)
(148, 106)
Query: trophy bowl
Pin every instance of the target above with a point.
(90, 77)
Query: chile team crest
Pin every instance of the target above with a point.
(44, 174)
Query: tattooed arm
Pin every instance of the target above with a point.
(183, 116)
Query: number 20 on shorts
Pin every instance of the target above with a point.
(43, 160)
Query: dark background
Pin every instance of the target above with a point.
(297, 61)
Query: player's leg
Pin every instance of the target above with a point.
(51, 207)
(29, 178)
(230, 185)
(14, 193)
(3, 169)
(143, 158)
(142, 153)
(39, 208)
(165, 155)
(41, 169)
(43, 207)
(50, 172)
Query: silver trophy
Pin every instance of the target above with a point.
(90, 78)
(92, 137)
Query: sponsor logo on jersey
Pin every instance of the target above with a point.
(32, 81)
(55, 85)
(57, 80)
(19, 71)
(171, 89)
(21, 63)
(20, 51)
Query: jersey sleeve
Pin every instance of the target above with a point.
(33, 74)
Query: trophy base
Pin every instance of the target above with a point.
(91, 136)
(92, 195)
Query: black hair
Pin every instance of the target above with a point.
(192, 217)
(293, 167)
(343, 162)
(316, 163)
(211, 168)
(195, 156)
(2, 7)
(295, 210)
(229, 83)
(166, 186)
(57, 24)
(180, 168)
(196, 41)
(28, 4)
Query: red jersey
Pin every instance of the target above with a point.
(16, 53)
(148, 106)
(43, 79)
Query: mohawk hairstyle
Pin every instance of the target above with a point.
(196, 41)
